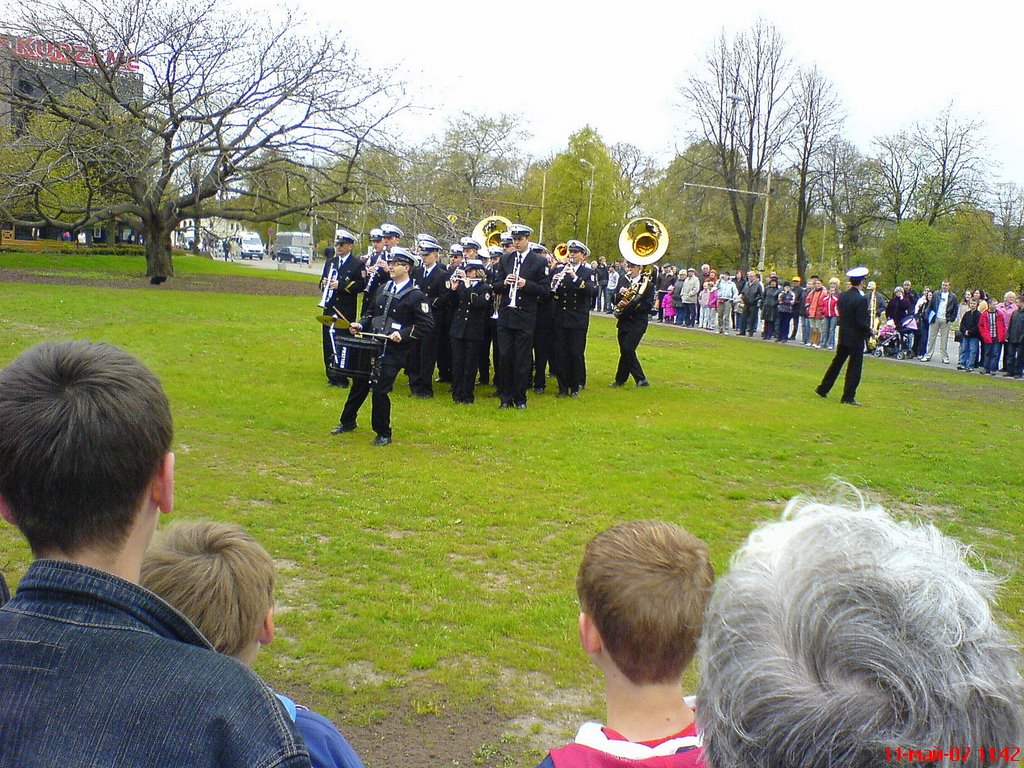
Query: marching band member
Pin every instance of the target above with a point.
(491, 339)
(573, 289)
(474, 300)
(633, 303)
(543, 343)
(522, 278)
(401, 312)
(391, 236)
(349, 281)
(377, 250)
(430, 278)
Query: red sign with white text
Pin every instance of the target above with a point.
(66, 53)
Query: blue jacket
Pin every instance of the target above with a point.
(97, 671)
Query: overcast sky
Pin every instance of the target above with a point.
(618, 66)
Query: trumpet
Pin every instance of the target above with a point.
(328, 291)
(513, 292)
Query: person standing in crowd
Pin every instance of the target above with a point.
(601, 300)
(854, 331)
(572, 292)
(614, 276)
(752, 294)
(473, 303)
(666, 280)
(690, 295)
(921, 317)
(800, 325)
(898, 307)
(1015, 341)
(727, 296)
(1007, 308)
(942, 312)
(633, 304)
(969, 335)
(430, 277)
(910, 294)
(787, 303)
(522, 279)
(992, 330)
(830, 313)
(770, 309)
(813, 311)
(349, 280)
(96, 669)
(400, 312)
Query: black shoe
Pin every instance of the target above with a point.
(574, 393)
(820, 392)
(562, 393)
(643, 383)
(381, 440)
(539, 390)
(615, 384)
(850, 402)
(504, 406)
(520, 406)
(341, 428)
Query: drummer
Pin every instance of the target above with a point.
(399, 312)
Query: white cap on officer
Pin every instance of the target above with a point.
(390, 230)
(577, 245)
(495, 252)
(520, 230)
(455, 248)
(376, 234)
(469, 242)
(401, 254)
(858, 273)
(344, 236)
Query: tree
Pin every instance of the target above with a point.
(744, 110)
(638, 172)
(816, 117)
(897, 176)
(1009, 217)
(845, 181)
(953, 165)
(195, 101)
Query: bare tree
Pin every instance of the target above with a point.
(1009, 218)
(638, 173)
(742, 103)
(845, 179)
(197, 98)
(898, 170)
(817, 117)
(954, 167)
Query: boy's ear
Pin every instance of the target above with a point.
(267, 629)
(161, 486)
(590, 638)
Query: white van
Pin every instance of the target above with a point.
(252, 245)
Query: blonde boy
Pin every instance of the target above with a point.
(223, 581)
(642, 588)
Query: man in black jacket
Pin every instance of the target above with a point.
(345, 288)
(634, 299)
(522, 279)
(572, 291)
(473, 303)
(430, 277)
(400, 312)
(854, 331)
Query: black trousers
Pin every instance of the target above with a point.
(465, 361)
(515, 353)
(856, 358)
(485, 351)
(442, 327)
(380, 413)
(332, 375)
(629, 364)
(571, 368)
(750, 321)
(542, 354)
(422, 358)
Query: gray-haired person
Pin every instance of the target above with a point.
(840, 636)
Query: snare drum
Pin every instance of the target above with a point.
(356, 356)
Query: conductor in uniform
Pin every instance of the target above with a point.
(634, 300)
(572, 291)
(854, 331)
(522, 278)
(400, 312)
(347, 284)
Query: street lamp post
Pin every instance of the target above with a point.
(590, 205)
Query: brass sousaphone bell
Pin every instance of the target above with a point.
(643, 241)
(488, 231)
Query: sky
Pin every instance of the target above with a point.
(618, 66)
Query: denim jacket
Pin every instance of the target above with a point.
(98, 672)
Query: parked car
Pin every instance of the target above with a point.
(292, 254)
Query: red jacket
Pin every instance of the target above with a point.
(830, 304)
(985, 327)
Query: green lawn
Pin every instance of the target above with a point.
(440, 569)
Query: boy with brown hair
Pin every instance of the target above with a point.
(642, 588)
(222, 579)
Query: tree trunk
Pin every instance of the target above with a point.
(158, 250)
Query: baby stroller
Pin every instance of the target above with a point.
(890, 342)
(908, 332)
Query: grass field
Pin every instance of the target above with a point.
(426, 589)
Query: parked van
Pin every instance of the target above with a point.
(252, 245)
(295, 247)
